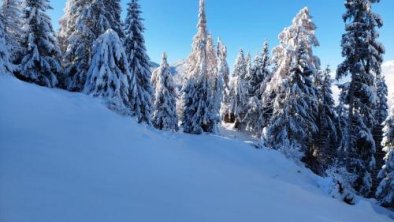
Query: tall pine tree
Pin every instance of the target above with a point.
(381, 114)
(5, 65)
(141, 91)
(40, 63)
(238, 94)
(363, 58)
(164, 115)
(198, 96)
(224, 71)
(256, 80)
(385, 191)
(76, 38)
(12, 14)
(292, 123)
(324, 148)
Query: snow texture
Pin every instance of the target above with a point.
(108, 76)
(66, 156)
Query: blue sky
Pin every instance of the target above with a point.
(244, 24)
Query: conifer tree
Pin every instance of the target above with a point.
(238, 93)
(381, 114)
(325, 140)
(291, 89)
(164, 115)
(223, 68)
(385, 191)
(5, 65)
(199, 113)
(363, 59)
(223, 78)
(224, 75)
(256, 80)
(141, 91)
(84, 21)
(108, 76)
(114, 12)
(76, 38)
(40, 63)
(12, 22)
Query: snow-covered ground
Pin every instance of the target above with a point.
(64, 157)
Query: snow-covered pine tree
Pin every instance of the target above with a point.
(197, 100)
(325, 140)
(363, 58)
(256, 80)
(223, 67)
(76, 38)
(197, 94)
(108, 76)
(238, 93)
(11, 12)
(342, 111)
(5, 64)
(114, 12)
(83, 22)
(219, 87)
(40, 63)
(381, 114)
(224, 74)
(141, 91)
(385, 191)
(212, 57)
(65, 23)
(164, 116)
(292, 91)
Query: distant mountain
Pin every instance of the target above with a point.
(178, 70)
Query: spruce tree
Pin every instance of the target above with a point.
(224, 73)
(325, 140)
(381, 114)
(385, 191)
(363, 59)
(40, 63)
(238, 92)
(291, 90)
(108, 76)
(164, 115)
(12, 22)
(114, 12)
(83, 22)
(5, 65)
(76, 38)
(141, 91)
(223, 67)
(256, 80)
(198, 94)
(224, 77)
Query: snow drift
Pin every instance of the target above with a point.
(65, 157)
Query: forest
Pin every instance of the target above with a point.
(282, 96)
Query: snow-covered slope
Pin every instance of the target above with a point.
(65, 157)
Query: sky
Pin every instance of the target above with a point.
(171, 24)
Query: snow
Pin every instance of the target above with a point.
(388, 71)
(66, 156)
